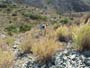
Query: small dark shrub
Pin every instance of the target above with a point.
(11, 29)
(65, 21)
(8, 9)
(66, 39)
(10, 21)
(14, 14)
(3, 6)
(71, 18)
(49, 1)
(24, 28)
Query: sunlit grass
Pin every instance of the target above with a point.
(6, 56)
(43, 48)
(83, 37)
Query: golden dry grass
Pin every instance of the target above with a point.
(83, 37)
(62, 30)
(43, 47)
(6, 57)
(64, 33)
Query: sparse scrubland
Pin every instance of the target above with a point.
(29, 31)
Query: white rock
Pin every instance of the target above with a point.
(2, 36)
(65, 58)
(72, 56)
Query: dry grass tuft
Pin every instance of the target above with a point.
(43, 47)
(64, 34)
(6, 57)
(83, 37)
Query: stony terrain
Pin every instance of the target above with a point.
(67, 58)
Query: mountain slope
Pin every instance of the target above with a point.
(72, 5)
(60, 5)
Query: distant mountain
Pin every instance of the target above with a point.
(60, 5)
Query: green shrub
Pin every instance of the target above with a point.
(11, 29)
(49, 1)
(65, 21)
(34, 16)
(3, 6)
(25, 27)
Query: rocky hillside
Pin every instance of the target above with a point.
(60, 5)
(32, 37)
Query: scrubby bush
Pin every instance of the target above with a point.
(3, 6)
(14, 14)
(25, 27)
(49, 1)
(83, 38)
(65, 21)
(34, 16)
(45, 49)
(11, 29)
(64, 34)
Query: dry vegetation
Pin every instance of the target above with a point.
(6, 56)
(64, 33)
(80, 35)
(83, 37)
(41, 43)
(6, 59)
(44, 44)
(43, 47)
